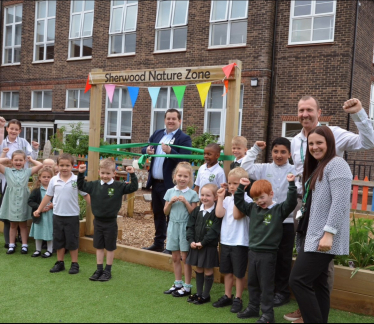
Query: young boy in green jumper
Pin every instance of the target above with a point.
(265, 234)
(106, 201)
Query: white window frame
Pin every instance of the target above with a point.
(11, 99)
(38, 108)
(119, 110)
(371, 110)
(12, 47)
(284, 124)
(67, 101)
(229, 22)
(80, 37)
(171, 26)
(45, 42)
(312, 16)
(223, 111)
(37, 125)
(122, 32)
(164, 110)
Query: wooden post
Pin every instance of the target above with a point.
(94, 141)
(232, 111)
(130, 204)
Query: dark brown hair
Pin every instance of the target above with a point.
(65, 156)
(15, 121)
(172, 110)
(312, 166)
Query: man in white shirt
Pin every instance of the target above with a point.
(309, 112)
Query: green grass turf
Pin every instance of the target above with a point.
(31, 294)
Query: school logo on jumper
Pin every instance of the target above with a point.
(212, 177)
(74, 185)
(209, 224)
(268, 219)
(110, 192)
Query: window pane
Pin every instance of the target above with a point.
(323, 22)
(87, 24)
(35, 134)
(75, 26)
(8, 36)
(15, 99)
(112, 123)
(17, 40)
(174, 101)
(115, 101)
(126, 100)
(10, 15)
(87, 47)
(84, 99)
(303, 8)
(302, 24)
(180, 14)
(126, 123)
(301, 36)
(8, 56)
(238, 33)
(75, 48)
(214, 123)
(130, 21)
(323, 28)
(17, 55)
(50, 133)
(89, 5)
(219, 10)
(72, 99)
(239, 9)
(215, 99)
(41, 11)
(47, 99)
(162, 100)
(42, 139)
(40, 31)
(116, 44)
(164, 14)
(219, 34)
(51, 8)
(6, 100)
(77, 6)
(116, 20)
(28, 134)
(292, 129)
(18, 13)
(159, 120)
(130, 43)
(118, 2)
(322, 34)
(51, 30)
(39, 53)
(324, 6)
(180, 38)
(37, 99)
(163, 39)
(50, 52)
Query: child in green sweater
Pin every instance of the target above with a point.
(106, 201)
(265, 234)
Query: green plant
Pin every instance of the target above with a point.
(82, 207)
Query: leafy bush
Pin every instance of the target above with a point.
(82, 207)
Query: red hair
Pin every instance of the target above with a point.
(261, 187)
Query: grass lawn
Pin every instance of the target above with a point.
(31, 294)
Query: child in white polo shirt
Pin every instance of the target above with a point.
(64, 190)
(210, 172)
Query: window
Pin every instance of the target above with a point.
(81, 25)
(228, 23)
(118, 118)
(123, 20)
(41, 100)
(291, 129)
(312, 21)
(215, 112)
(45, 18)
(77, 100)
(9, 100)
(38, 132)
(12, 34)
(166, 100)
(371, 111)
(171, 25)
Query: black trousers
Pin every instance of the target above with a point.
(261, 273)
(284, 261)
(158, 204)
(309, 283)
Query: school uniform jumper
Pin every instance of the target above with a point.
(265, 234)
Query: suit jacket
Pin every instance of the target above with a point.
(180, 139)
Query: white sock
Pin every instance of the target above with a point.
(50, 246)
(12, 245)
(38, 245)
(25, 245)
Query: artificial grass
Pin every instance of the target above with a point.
(135, 294)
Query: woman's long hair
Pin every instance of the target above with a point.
(314, 168)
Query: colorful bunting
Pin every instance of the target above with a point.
(154, 92)
(133, 92)
(203, 89)
(179, 93)
(88, 86)
(110, 91)
(228, 68)
(227, 87)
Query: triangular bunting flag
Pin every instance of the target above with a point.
(154, 92)
(179, 93)
(88, 86)
(227, 87)
(133, 92)
(203, 91)
(228, 68)
(110, 91)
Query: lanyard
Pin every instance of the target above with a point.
(302, 151)
(306, 195)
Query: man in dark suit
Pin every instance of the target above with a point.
(161, 170)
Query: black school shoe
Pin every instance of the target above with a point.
(74, 269)
(106, 276)
(11, 250)
(237, 306)
(96, 275)
(266, 319)
(24, 250)
(201, 300)
(193, 298)
(36, 254)
(58, 267)
(172, 289)
(181, 293)
(223, 302)
(248, 313)
(280, 300)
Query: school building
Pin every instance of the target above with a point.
(288, 49)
